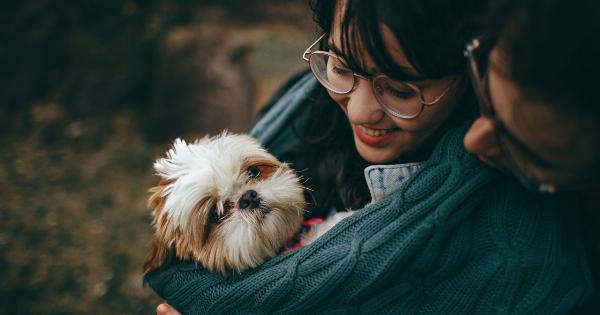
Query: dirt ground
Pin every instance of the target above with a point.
(79, 133)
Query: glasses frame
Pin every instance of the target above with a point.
(502, 135)
(308, 53)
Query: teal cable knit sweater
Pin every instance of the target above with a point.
(455, 239)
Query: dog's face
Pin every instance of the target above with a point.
(223, 202)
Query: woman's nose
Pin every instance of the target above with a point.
(362, 106)
(481, 138)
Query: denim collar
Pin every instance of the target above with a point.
(383, 180)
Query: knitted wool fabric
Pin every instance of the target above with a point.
(455, 239)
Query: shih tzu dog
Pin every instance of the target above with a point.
(224, 202)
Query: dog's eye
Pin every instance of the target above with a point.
(214, 212)
(253, 172)
(214, 215)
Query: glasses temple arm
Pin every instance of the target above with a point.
(308, 50)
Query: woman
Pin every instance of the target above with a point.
(441, 233)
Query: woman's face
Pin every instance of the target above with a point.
(552, 147)
(378, 136)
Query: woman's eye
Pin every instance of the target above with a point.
(253, 172)
(337, 66)
(403, 94)
(340, 70)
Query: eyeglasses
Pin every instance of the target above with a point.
(510, 146)
(399, 99)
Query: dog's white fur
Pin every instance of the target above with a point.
(212, 174)
(327, 224)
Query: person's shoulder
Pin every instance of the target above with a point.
(507, 194)
(286, 87)
(287, 111)
(539, 237)
(528, 220)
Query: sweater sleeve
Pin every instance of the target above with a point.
(455, 239)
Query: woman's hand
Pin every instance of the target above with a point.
(166, 309)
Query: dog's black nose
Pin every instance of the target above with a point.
(249, 200)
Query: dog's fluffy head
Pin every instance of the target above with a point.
(224, 202)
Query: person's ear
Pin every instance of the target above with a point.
(481, 138)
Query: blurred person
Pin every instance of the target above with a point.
(535, 71)
(380, 124)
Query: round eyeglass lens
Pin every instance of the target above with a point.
(397, 97)
(332, 73)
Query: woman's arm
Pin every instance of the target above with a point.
(441, 242)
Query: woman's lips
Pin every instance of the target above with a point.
(374, 137)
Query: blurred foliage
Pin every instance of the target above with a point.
(70, 51)
(74, 225)
(98, 56)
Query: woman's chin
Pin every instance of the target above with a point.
(384, 155)
(383, 149)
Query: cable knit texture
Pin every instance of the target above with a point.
(456, 238)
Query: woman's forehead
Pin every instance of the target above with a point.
(391, 45)
(395, 50)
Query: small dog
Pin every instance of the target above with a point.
(224, 202)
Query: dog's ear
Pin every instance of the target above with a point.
(160, 253)
(157, 199)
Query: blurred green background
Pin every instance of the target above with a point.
(91, 92)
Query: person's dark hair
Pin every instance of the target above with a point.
(550, 50)
(432, 34)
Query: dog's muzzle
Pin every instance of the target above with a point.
(249, 200)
